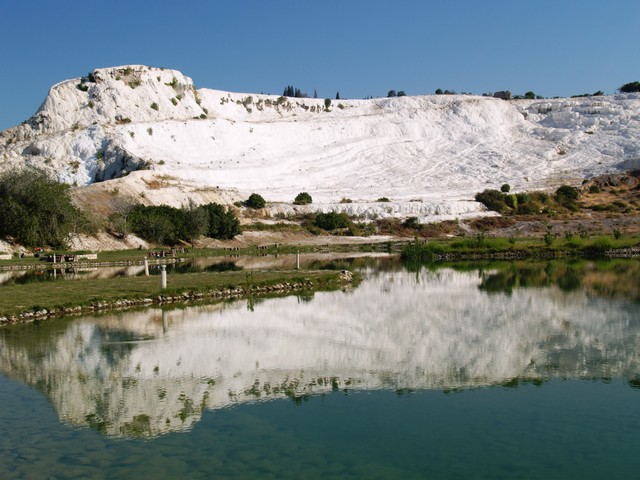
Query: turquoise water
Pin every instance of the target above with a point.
(564, 429)
(422, 374)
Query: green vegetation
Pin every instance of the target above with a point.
(303, 198)
(505, 188)
(163, 224)
(331, 221)
(221, 223)
(481, 246)
(154, 106)
(255, 201)
(411, 222)
(36, 210)
(630, 87)
(565, 199)
(169, 226)
(19, 298)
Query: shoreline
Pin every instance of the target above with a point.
(330, 280)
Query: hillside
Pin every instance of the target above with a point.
(428, 154)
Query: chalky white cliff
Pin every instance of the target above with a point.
(428, 154)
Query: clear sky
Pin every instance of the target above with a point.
(357, 47)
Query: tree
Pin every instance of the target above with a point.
(567, 196)
(222, 223)
(290, 91)
(303, 198)
(315, 93)
(255, 201)
(401, 93)
(156, 223)
(630, 87)
(505, 188)
(391, 93)
(327, 103)
(36, 210)
(337, 95)
(332, 220)
(439, 92)
(530, 95)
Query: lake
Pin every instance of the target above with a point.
(491, 370)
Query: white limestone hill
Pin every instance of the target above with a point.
(428, 154)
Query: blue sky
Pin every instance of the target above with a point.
(359, 48)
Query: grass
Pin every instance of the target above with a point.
(15, 299)
(528, 247)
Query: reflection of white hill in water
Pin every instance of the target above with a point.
(128, 374)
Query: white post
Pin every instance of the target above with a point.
(146, 266)
(297, 259)
(54, 258)
(163, 276)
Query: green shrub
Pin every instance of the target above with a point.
(222, 223)
(411, 222)
(598, 247)
(331, 221)
(511, 201)
(255, 201)
(154, 106)
(36, 210)
(303, 198)
(167, 225)
(567, 195)
(420, 252)
(505, 188)
(493, 200)
(383, 199)
(594, 189)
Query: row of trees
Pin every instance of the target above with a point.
(169, 225)
(290, 91)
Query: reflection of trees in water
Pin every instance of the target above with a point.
(614, 278)
(153, 371)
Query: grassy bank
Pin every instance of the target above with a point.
(57, 296)
(505, 248)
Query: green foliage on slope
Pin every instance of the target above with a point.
(36, 210)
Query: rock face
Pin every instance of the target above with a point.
(428, 154)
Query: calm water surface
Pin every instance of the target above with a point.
(503, 371)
